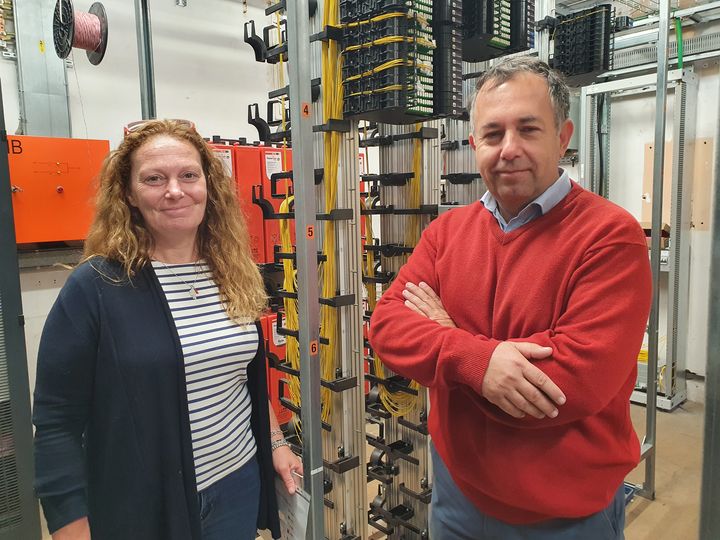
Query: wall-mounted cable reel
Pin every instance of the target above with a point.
(80, 30)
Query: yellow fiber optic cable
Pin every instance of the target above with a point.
(391, 39)
(281, 68)
(292, 347)
(332, 109)
(412, 231)
(396, 403)
(391, 88)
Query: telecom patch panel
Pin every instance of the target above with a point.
(388, 63)
(583, 43)
(493, 28)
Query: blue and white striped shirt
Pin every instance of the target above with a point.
(216, 353)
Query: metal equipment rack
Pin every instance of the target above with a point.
(594, 167)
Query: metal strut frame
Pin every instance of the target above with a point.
(406, 494)
(333, 451)
(709, 516)
(19, 516)
(298, 37)
(684, 84)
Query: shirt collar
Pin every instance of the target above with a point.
(546, 201)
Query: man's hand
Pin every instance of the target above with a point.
(515, 385)
(423, 300)
(511, 381)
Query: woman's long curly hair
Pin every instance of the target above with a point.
(119, 233)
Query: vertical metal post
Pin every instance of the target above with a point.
(298, 38)
(542, 39)
(709, 516)
(20, 518)
(585, 139)
(648, 489)
(603, 124)
(145, 59)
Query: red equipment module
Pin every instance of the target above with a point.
(274, 160)
(275, 346)
(243, 163)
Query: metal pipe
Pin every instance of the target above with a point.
(145, 59)
(544, 8)
(298, 38)
(657, 198)
(709, 516)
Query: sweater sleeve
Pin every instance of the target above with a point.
(63, 393)
(596, 340)
(416, 347)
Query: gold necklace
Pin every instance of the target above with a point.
(192, 291)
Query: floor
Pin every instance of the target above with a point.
(674, 514)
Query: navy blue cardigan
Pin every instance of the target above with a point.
(112, 437)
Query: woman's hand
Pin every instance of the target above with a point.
(285, 463)
(77, 530)
(423, 300)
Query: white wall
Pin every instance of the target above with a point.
(203, 70)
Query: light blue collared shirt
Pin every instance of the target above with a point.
(547, 200)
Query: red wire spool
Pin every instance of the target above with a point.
(80, 30)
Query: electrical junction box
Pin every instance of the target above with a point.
(53, 183)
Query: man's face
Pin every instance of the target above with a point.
(516, 142)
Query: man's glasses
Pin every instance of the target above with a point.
(139, 124)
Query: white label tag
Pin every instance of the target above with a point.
(278, 339)
(225, 155)
(273, 163)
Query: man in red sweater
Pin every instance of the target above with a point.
(523, 314)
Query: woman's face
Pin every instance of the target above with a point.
(168, 187)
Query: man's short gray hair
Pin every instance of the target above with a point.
(507, 68)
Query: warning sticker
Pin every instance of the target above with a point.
(273, 163)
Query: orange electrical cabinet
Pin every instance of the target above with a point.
(243, 164)
(53, 183)
(275, 345)
(247, 175)
(274, 160)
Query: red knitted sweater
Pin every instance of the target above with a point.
(576, 279)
